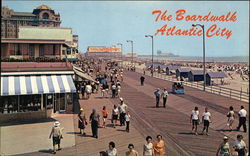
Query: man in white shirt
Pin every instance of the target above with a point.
(164, 96)
(122, 109)
(242, 119)
(194, 119)
(240, 146)
(206, 118)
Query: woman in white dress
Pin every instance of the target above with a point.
(231, 117)
(148, 147)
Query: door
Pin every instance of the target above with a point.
(56, 103)
(59, 102)
(31, 50)
(62, 102)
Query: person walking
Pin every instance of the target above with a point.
(94, 119)
(82, 121)
(231, 117)
(112, 151)
(194, 119)
(105, 88)
(159, 146)
(113, 88)
(142, 78)
(206, 119)
(83, 87)
(122, 109)
(148, 149)
(104, 116)
(242, 119)
(157, 96)
(240, 146)
(111, 77)
(131, 151)
(224, 148)
(88, 90)
(115, 113)
(118, 91)
(56, 134)
(127, 119)
(121, 76)
(164, 97)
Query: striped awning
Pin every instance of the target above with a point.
(33, 84)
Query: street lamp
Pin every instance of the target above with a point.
(132, 52)
(121, 50)
(152, 37)
(204, 68)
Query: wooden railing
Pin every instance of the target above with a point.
(219, 90)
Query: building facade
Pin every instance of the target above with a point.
(75, 40)
(32, 90)
(103, 52)
(42, 16)
(27, 48)
(33, 42)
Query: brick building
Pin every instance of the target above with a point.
(41, 16)
(33, 48)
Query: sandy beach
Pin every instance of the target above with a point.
(237, 83)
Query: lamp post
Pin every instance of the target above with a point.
(121, 51)
(152, 37)
(204, 68)
(132, 52)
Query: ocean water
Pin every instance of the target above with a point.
(234, 59)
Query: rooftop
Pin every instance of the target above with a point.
(23, 14)
(217, 74)
(171, 67)
(197, 72)
(35, 66)
(184, 69)
(44, 41)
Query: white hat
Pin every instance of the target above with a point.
(81, 109)
(57, 123)
(121, 99)
(225, 137)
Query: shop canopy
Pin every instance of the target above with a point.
(78, 71)
(36, 84)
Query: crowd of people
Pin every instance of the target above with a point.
(108, 83)
(207, 119)
(150, 148)
(118, 113)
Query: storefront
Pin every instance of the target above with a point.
(35, 95)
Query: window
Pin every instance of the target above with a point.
(45, 16)
(54, 49)
(63, 52)
(68, 51)
(41, 50)
(17, 50)
(8, 104)
(27, 103)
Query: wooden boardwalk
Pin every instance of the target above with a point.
(171, 122)
(89, 146)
